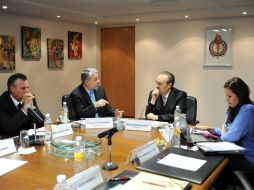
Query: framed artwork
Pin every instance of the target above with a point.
(55, 53)
(7, 52)
(31, 42)
(218, 45)
(74, 45)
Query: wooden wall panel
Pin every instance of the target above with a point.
(118, 67)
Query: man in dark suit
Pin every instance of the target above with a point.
(14, 106)
(163, 100)
(89, 98)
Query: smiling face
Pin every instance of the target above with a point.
(162, 84)
(19, 88)
(231, 98)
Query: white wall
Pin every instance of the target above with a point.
(179, 47)
(49, 85)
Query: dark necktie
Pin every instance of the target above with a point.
(19, 106)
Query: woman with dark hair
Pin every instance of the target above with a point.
(239, 124)
(239, 129)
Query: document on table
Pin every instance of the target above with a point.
(149, 181)
(7, 165)
(182, 162)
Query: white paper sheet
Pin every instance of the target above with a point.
(7, 165)
(183, 162)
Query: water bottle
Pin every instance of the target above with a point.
(48, 129)
(65, 113)
(79, 156)
(177, 110)
(61, 183)
(176, 140)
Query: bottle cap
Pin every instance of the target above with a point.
(47, 115)
(78, 138)
(64, 103)
(61, 178)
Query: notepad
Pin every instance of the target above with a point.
(149, 181)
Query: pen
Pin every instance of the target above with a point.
(120, 178)
(156, 184)
(162, 156)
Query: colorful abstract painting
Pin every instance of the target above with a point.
(31, 42)
(74, 45)
(7, 52)
(55, 53)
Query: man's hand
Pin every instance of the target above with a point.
(100, 103)
(28, 99)
(118, 113)
(152, 116)
(155, 94)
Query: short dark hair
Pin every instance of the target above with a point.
(171, 77)
(86, 74)
(12, 79)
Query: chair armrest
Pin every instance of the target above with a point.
(244, 181)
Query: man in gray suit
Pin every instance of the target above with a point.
(89, 98)
(164, 98)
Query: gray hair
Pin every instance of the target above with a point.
(86, 74)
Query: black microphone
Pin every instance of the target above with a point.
(33, 114)
(118, 126)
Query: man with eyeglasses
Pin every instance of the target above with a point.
(164, 98)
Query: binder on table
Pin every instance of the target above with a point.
(198, 176)
(223, 148)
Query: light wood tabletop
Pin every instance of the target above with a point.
(42, 168)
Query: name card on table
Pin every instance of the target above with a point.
(7, 146)
(61, 130)
(88, 179)
(143, 125)
(138, 125)
(99, 123)
(143, 153)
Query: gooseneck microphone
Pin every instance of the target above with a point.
(118, 126)
(33, 113)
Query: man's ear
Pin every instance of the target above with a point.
(11, 88)
(170, 85)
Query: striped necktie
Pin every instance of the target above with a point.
(164, 99)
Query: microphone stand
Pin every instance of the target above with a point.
(35, 141)
(109, 165)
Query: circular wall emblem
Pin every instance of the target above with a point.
(218, 47)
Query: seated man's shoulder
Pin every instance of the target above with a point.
(180, 92)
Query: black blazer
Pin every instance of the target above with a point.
(166, 113)
(12, 121)
(84, 107)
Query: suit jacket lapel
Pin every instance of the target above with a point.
(85, 95)
(170, 99)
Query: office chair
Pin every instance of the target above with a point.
(191, 111)
(71, 112)
(243, 180)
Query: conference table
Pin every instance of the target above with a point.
(42, 167)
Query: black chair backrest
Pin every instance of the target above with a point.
(191, 112)
(71, 112)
